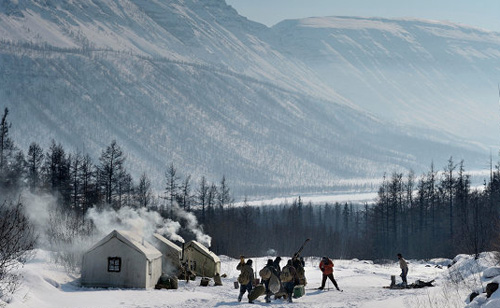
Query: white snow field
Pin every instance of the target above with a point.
(46, 285)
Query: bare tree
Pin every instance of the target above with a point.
(34, 166)
(6, 143)
(185, 197)
(171, 188)
(111, 169)
(448, 191)
(89, 185)
(56, 171)
(201, 196)
(75, 180)
(211, 197)
(7, 153)
(17, 240)
(224, 196)
(144, 193)
(68, 237)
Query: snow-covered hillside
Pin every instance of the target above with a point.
(193, 83)
(426, 73)
(189, 31)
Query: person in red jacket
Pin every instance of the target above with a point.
(326, 266)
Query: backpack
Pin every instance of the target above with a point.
(300, 271)
(265, 273)
(286, 275)
(244, 277)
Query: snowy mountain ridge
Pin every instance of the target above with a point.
(188, 31)
(193, 83)
(425, 73)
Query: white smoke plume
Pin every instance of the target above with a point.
(58, 232)
(145, 223)
(38, 210)
(140, 221)
(192, 225)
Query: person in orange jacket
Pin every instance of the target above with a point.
(326, 266)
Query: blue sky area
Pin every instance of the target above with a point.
(479, 13)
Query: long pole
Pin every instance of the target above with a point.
(301, 248)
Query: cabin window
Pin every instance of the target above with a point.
(114, 264)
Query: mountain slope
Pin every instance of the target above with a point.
(193, 83)
(191, 31)
(423, 73)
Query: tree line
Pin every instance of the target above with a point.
(439, 214)
(435, 215)
(79, 183)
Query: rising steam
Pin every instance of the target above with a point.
(65, 235)
(192, 225)
(140, 221)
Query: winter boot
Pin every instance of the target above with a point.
(240, 297)
(268, 298)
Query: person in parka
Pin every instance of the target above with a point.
(268, 270)
(326, 267)
(299, 265)
(276, 264)
(246, 276)
(289, 279)
(404, 269)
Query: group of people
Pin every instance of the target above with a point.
(285, 279)
(290, 275)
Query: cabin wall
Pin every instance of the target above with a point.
(133, 271)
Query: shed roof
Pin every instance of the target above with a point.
(133, 240)
(202, 249)
(167, 242)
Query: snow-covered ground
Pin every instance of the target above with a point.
(46, 285)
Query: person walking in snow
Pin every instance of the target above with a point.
(289, 279)
(245, 278)
(276, 264)
(404, 269)
(326, 267)
(299, 265)
(266, 274)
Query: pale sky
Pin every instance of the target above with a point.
(479, 13)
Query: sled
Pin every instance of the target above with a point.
(417, 285)
(421, 284)
(274, 284)
(399, 286)
(256, 292)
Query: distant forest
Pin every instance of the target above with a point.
(436, 214)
